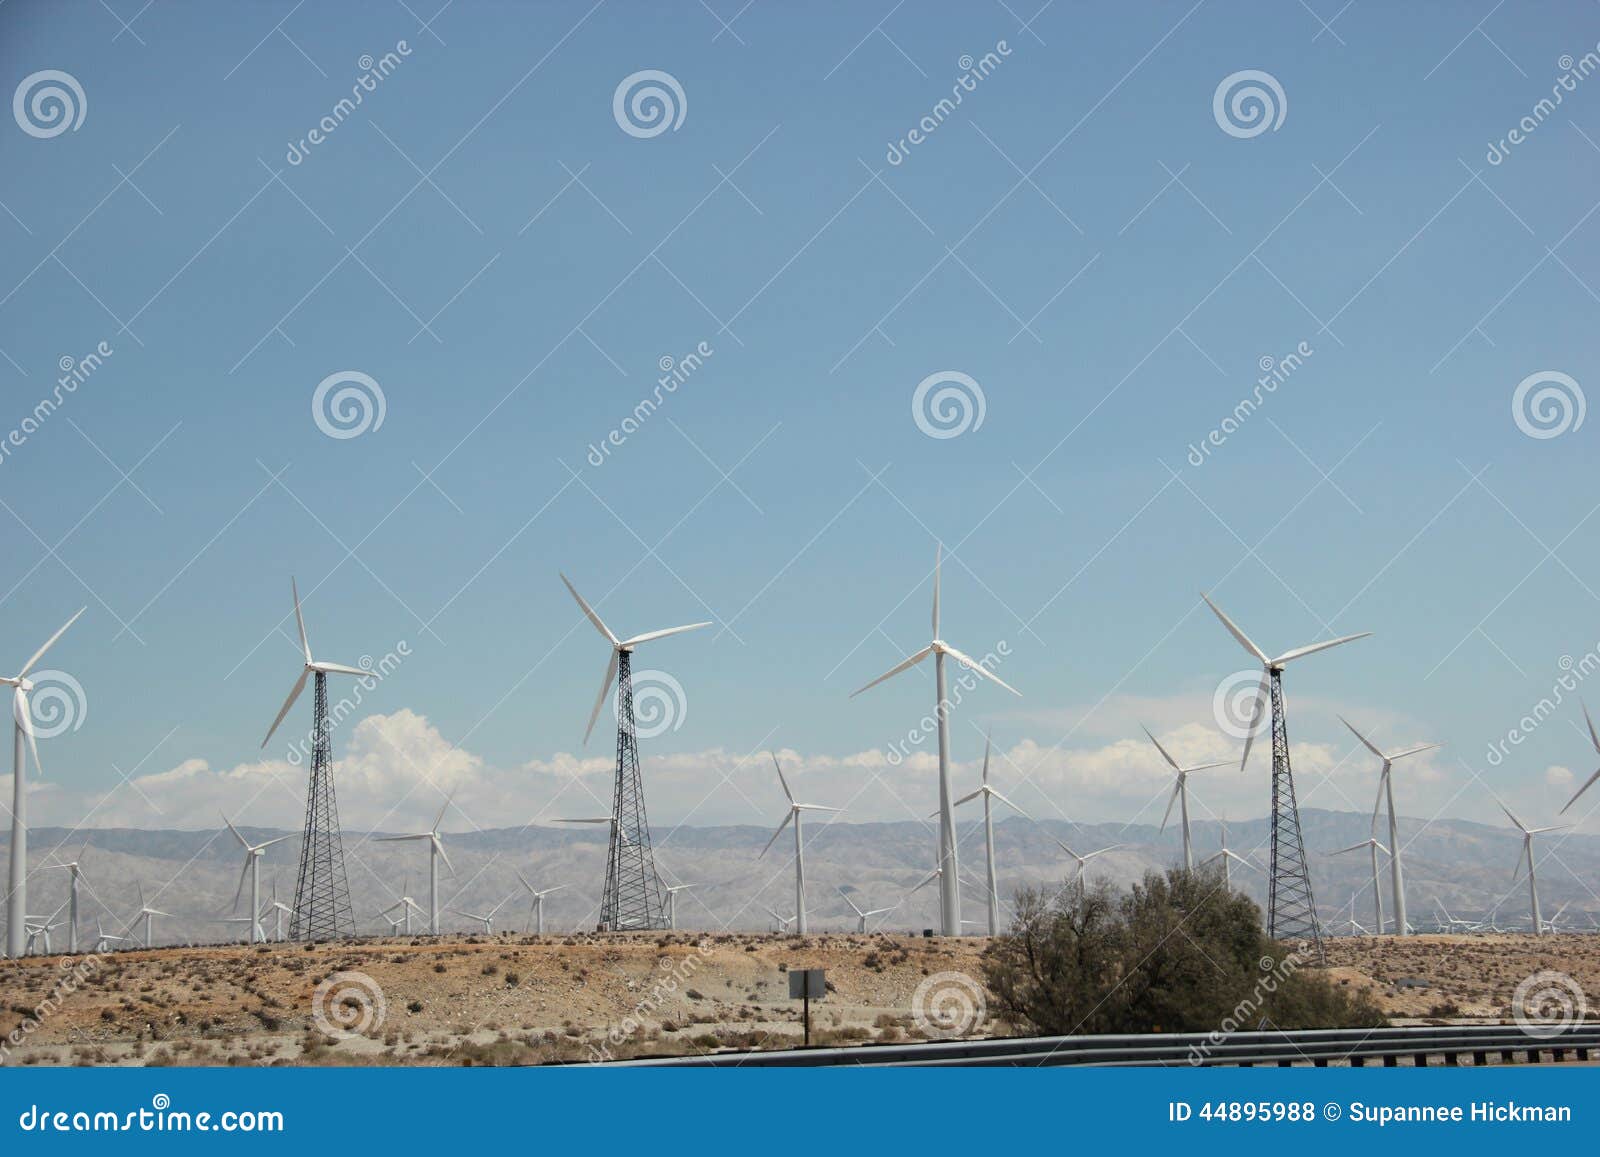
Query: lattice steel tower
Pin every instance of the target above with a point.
(1291, 908)
(632, 897)
(322, 895)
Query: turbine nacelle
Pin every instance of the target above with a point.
(310, 667)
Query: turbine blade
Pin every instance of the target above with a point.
(341, 669)
(1414, 750)
(777, 833)
(1263, 694)
(39, 654)
(1233, 629)
(243, 843)
(928, 879)
(1313, 648)
(23, 714)
(1009, 804)
(305, 644)
(589, 611)
(1164, 754)
(789, 795)
(1207, 766)
(895, 670)
(1171, 799)
(1352, 848)
(851, 902)
(988, 741)
(244, 874)
(294, 693)
(600, 699)
(1593, 737)
(438, 843)
(1365, 742)
(938, 559)
(1520, 825)
(974, 665)
(965, 798)
(651, 636)
(1588, 783)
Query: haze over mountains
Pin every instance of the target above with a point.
(193, 874)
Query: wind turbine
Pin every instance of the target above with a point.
(1386, 793)
(672, 891)
(252, 869)
(949, 883)
(1180, 795)
(279, 910)
(537, 909)
(486, 918)
(407, 906)
(75, 875)
(39, 929)
(322, 891)
(1374, 847)
(1554, 923)
(1594, 738)
(796, 810)
(631, 897)
(1083, 860)
(783, 922)
(435, 854)
(148, 914)
(863, 916)
(989, 795)
(22, 716)
(1227, 858)
(1526, 859)
(1290, 876)
(102, 938)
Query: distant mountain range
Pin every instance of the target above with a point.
(1466, 867)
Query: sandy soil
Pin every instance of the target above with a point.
(516, 999)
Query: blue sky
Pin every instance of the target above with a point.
(1081, 237)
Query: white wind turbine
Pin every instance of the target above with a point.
(863, 916)
(1372, 845)
(312, 666)
(672, 891)
(279, 910)
(1386, 794)
(796, 810)
(1180, 795)
(1227, 858)
(1526, 860)
(102, 938)
(435, 854)
(783, 922)
(536, 910)
(1083, 860)
(407, 906)
(252, 870)
(22, 716)
(148, 915)
(1594, 738)
(75, 876)
(1269, 666)
(39, 929)
(989, 795)
(949, 883)
(485, 918)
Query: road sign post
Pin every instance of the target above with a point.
(805, 983)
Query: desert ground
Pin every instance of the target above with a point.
(517, 999)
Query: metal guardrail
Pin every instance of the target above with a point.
(1319, 1047)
